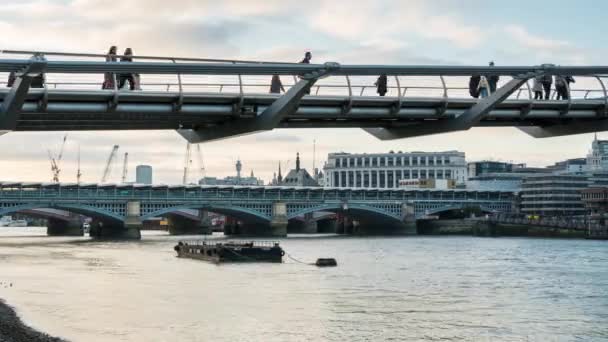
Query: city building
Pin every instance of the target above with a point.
(597, 159)
(595, 200)
(553, 195)
(143, 174)
(484, 167)
(503, 181)
(233, 180)
(570, 166)
(297, 177)
(385, 170)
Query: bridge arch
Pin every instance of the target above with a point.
(86, 210)
(235, 211)
(482, 208)
(354, 209)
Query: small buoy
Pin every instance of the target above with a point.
(326, 262)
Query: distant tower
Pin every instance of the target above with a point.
(143, 174)
(252, 176)
(239, 168)
(298, 162)
(279, 177)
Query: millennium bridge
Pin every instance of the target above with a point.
(118, 210)
(208, 99)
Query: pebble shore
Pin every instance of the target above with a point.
(12, 329)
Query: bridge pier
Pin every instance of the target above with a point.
(58, 227)
(307, 226)
(279, 222)
(182, 226)
(130, 229)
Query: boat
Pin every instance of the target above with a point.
(231, 251)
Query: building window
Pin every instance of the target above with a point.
(399, 161)
(366, 161)
(374, 161)
(415, 161)
(390, 179)
(448, 174)
(439, 174)
(374, 179)
(391, 161)
(336, 181)
(431, 173)
(406, 161)
(414, 174)
(382, 161)
(422, 174)
(382, 179)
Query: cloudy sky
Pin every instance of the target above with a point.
(516, 32)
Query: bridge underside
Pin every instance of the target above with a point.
(62, 110)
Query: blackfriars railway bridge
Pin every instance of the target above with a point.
(206, 99)
(118, 210)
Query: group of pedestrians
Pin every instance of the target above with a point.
(481, 86)
(109, 77)
(544, 82)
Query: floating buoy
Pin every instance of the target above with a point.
(326, 262)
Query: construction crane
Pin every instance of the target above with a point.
(56, 160)
(201, 163)
(125, 162)
(187, 163)
(108, 168)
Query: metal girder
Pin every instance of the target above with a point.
(566, 129)
(13, 102)
(463, 122)
(8, 65)
(268, 120)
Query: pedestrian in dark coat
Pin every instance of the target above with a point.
(382, 85)
(276, 86)
(493, 81)
(562, 86)
(108, 77)
(547, 80)
(306, 60)
(127, 58)
(474, 86)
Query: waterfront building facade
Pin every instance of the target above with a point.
(385, 170)
(553, 195)
(484, 167)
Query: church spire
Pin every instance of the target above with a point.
(280, 177)
(298, 162)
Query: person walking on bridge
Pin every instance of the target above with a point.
(493, 80)
(306, 60)
(562, 86)
(547, 80)
(108, 77)
(276, 86)
(127, 58)
(537, 88)
(483, 87)
(381, 85)
(474, 86)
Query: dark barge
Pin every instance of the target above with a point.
(231, 251)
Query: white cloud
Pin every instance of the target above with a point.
(523, 37)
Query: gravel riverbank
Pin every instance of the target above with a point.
(13, 330)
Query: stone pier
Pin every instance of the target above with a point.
(127, 230)
(58, 227)
(179, 225)
(279, 222)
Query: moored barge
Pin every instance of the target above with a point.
(231, 251)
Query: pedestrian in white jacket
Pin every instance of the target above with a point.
(484, 87)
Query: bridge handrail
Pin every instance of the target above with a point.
(234, 68)
(362, 87)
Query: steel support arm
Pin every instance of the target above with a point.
(566, 129)
(13, 102)
(268, 120)
(465, 121)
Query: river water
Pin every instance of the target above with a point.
(399, 289)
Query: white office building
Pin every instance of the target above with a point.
(345, 170)
(597, 159)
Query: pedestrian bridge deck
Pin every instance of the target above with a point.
(213, 99)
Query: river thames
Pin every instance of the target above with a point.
(399, 289)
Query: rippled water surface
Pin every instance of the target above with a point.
(400, 289)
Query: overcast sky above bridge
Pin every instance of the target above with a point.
(381, 32)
